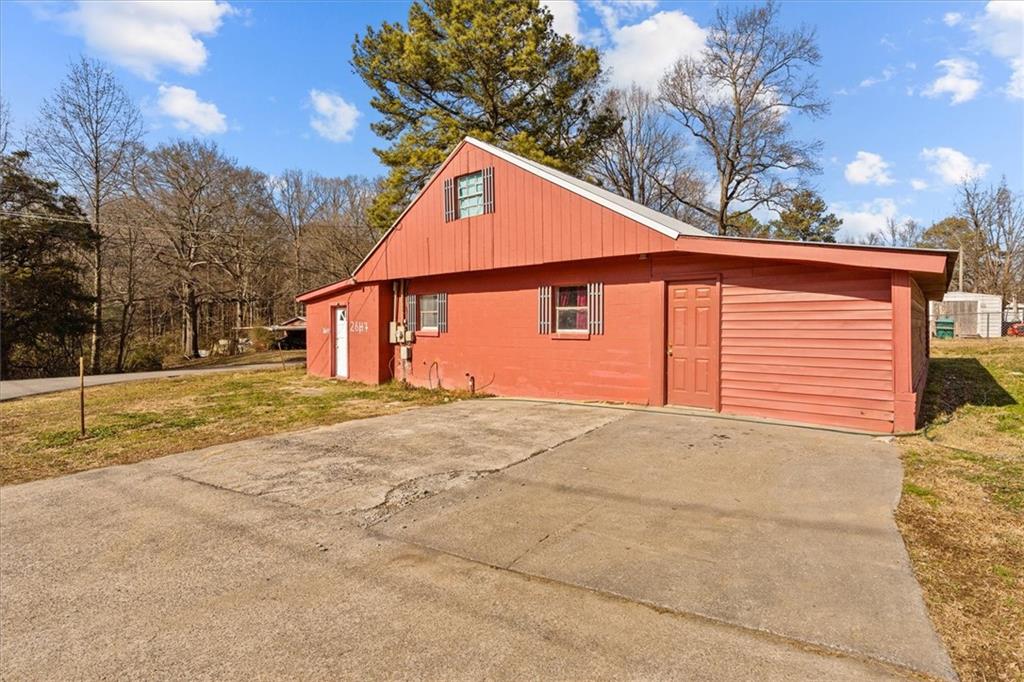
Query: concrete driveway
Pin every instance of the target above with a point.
(481, 539)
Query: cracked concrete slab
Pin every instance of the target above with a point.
(776, 529)
(376, 465)
(254, 560)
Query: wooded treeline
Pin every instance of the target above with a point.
(167, 250)
(158, 252)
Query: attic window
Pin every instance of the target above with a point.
(471, 194)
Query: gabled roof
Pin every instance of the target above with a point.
(936, 265)
(666, 225)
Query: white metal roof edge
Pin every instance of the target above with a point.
(541, 171)
(412, 202)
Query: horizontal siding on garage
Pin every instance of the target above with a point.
(809, 345)
(802, 343)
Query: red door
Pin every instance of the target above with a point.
(693, 340)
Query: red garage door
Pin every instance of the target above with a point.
(693, 342)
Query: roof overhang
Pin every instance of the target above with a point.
(328, 290)
(932, 268)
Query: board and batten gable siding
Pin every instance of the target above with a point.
(801, 343)
(534, 222)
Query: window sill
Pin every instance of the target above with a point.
(427, 332)
(571, 336)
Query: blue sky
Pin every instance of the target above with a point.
(923, 93)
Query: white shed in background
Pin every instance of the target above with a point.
(974, 314)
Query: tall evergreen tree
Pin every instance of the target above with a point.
(746, 225)
(45, 309)
(494, 70)
(805, 220)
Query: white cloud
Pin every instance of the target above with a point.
(335, 119)
(887, 74)
(613, 12)
(148, 36)
(1001, 30)
(189, 112)
(868, 168)
(641, 53)
(566, 14)
(863, 219)
(918, 184)
(1015, 88)
(952, 18)
(960, 80)
(952, 166)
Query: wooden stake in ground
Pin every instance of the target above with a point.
(81, 394)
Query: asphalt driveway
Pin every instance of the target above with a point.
(19, 388)
(480, 539)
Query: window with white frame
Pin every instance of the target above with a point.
(571, 310)
(428, 312)
(470, 190)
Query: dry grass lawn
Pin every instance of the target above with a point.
(962, 510)
(131, 422)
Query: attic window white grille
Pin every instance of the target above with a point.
(470, 190)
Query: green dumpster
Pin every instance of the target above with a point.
(944, 327)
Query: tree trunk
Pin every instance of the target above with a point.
(190, 322)
(95, 362)
(298, 271)
(723, 208)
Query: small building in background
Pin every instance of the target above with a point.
(973, 315)
(287, 335)
(294, 330)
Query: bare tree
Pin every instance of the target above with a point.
(5, 125)
(248, 249)
(341, 235)
(896, 234)
(297, 202)
(995, 217)
(184, 187)
(737, 99)
(127, 278)
(645, 159)
(86, 136)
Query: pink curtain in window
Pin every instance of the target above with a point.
(572, 296)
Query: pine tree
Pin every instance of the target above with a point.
(805, 220)
(45, 309)
(493, 70)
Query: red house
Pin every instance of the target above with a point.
(530, 282)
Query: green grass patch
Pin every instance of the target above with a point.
(967, 540)
(130, 422)
(921, 492)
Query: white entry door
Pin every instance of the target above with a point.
(341, 342)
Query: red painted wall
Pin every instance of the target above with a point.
(369, 352)
(798, 343)
(492, 335)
